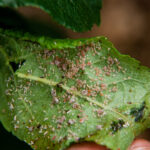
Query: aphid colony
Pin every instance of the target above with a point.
(83, 78)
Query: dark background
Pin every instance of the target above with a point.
(125, 23)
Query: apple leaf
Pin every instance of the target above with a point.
(56, 92)
(78, 15)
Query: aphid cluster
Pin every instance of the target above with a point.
(84, 83)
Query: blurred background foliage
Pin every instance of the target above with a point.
(125, 23)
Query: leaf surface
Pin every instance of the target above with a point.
(79, 15)
(55, 92)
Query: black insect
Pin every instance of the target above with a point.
(38, 126)
(117, 125)
(138, 112)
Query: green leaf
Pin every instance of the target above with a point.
(55, 92)
(79, 15)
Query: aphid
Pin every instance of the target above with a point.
(107, 73)
(45, 133)
(119, 68)
(53, 92)
(40, 131)
(59, 126)
(15, 118)
(114, 89)
(126, 125)
(129, 78)
(57, 63)
(53, 129)
(31, 129)
(101, 94)
(55, 100)
(84, 92)
(100, 112)
(72, 99)
(31, 143)
(54, 137)
(101, 78)
(105, 68)
(110, 61)
(61, 120)
(103, 86)
(116, 61)
(89, 63)
(98, 71)
(16, 127)
(109, 48)
(99, 127)
(70, 121)
(46, 51)
(99, 47)
(76, 106)
(11, 106)
(64, 67)
(82, 120)
(13, 100)
(89, 93)
(82, 66)
(45, 119)
(47, 147)
(83, 53)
